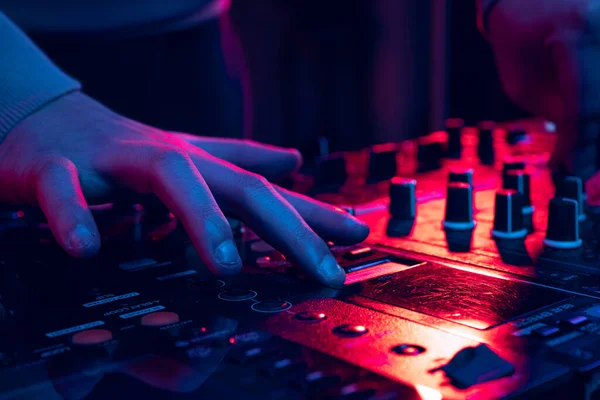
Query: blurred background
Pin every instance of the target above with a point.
(288, 72)
(360, 72)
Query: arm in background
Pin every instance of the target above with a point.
(548, 56)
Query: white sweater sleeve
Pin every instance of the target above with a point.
(28, 79)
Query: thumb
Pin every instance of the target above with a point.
(274, 163)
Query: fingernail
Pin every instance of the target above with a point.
(227, 256)
(333, 274)
(80, 237)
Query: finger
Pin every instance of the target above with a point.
(577, 65)
(252, 198)
(272, 162)
(169, 173)
(59, 195)
(329, 222)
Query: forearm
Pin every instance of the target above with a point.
(28, 79)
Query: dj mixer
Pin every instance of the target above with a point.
(480, 280)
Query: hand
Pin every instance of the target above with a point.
(548, 56)
(75, 150)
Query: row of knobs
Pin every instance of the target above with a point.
(513, 209)
(330, 170)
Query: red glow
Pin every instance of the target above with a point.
(203, 329)
(360, 328)
(232, 340)
(20, 214)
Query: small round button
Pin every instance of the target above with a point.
(237, 295)
(91, 337)
(263, 262)
(349, 330)
(408, 350)
(310, 317)
(160, 318)
(271, 306)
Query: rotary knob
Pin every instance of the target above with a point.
(508, 217)
(563, 224)
(331, 170)
(454, 127)
(464, 175)
(382, 165)
(571, 187)
(512, 163)
(459, 207)
(430, 153)
(520, 181)
(403, 200)
(485, 146)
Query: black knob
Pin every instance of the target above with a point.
(520, 181)
(563, 226)
(454, 127)
(464, 175)
(485, 146)
(313, 149)
(511, 163)
(430, 153)
(459, 207)
(508, 217)
(382, 164)
(516, 135)
(331, 170)
(403, 199)
(571, 187)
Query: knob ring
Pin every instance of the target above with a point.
(459, 226)
(509, 235)
(555, 244)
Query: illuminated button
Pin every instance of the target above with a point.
(237, 295)
(161, 318)
(575, 321)
(92, 336)
(271, 306)
(359, 253)
(545, 331)
(408, 350)
(263, 262)
(348, 330)
(310, 317)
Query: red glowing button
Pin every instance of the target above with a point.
(91, 337)
(348, 330)
(408, 350)
(161, 318)
(310, 317)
